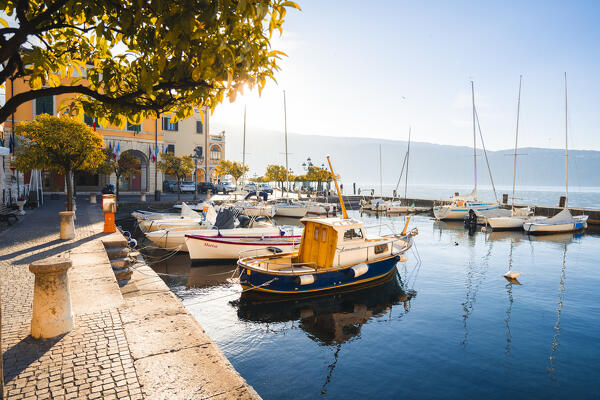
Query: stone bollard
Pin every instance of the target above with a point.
(143, 197)
(67, 225)
(92, 198)
(52, 315)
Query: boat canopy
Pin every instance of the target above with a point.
(563, 217)
(468, 197)
(321, 236)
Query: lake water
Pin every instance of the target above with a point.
(584, 197)
(447, 326)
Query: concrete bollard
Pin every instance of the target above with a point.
(67, 225)
(143, 197)
(92, 198)
(52, 315)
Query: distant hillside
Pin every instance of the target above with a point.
(357, 160)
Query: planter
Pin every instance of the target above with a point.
(20, 204)
(143, 197)
(92, 198)
(67, 225)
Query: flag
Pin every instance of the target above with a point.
(118, 155)
(112, 150)
(94, 124)
(149, 152)
(155, 156)
(11, 143)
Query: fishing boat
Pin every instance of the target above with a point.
(290, 208)
(334, 252)
(564, 221)
(461, 206)
(188, 219)
(321, 209)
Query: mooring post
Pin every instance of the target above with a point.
(561, 201)
(504, 198)
(52, 315)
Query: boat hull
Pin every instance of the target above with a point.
(204, 249)
(272, 282)
(294, 212)
(507, 223)
(454, 212)
(541, 228)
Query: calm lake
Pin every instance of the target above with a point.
(447, 325)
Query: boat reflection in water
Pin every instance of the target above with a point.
(332, 318)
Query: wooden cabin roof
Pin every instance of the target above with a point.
(336, 223)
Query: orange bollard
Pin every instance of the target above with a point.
(109, 223)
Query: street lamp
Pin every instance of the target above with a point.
(197, 155)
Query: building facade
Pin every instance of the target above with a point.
(142, 141)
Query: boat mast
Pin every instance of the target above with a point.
(474, 141)
(566, 149)
(244, 142)
(337, 188)
(380, 174)
(287, 178)
(407, 158)
(516, 143)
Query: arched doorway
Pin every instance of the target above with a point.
(139, 181)
(200, 175)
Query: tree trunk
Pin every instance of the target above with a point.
(69, 181)
(178, 189)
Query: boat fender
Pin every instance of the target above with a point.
(127, 234)
(132, 243)
(305, 279)
(358, 270)
(403, 259)
(275, 250)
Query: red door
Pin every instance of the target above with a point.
(136, 181)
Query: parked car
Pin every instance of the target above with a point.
(265, 187)
(225, 187)
(251, 187)
(169, 186)
(187, 186)
(204, 187)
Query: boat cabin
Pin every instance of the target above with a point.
(334, 242)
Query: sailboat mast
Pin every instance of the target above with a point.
(287, 177)
(474, 140)
(380, 174)
(244, 141)
(566, 149)
(407, 158)
(516, 142)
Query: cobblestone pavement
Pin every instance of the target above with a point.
(91, 361)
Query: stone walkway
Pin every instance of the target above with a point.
(93, 360)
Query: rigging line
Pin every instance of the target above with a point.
(407, 159)
(516, 143)
(401, 173)
(486, 157)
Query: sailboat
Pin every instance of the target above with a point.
(334, 252)
(563, 221)
(462, 205)
(517, 216)
(376, 204)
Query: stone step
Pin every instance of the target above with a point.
(114, 241)
(117, 252)
(120, 262)
(123, 273)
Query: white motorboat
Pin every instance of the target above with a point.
(256, 210)
(207, 249)
(373, 205)
(484, 215)
(321, 209)
(515, 220)
(561, 222)
(398, 207)
(295, 209)
(188, 219)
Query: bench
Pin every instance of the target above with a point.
(7, 213)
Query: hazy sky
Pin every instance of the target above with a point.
(371, 68)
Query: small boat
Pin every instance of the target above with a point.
(373, 205)
(334, 252)
(256, 210)
(515, 220)
(188, 219)
(289, 208)
(561, 222)
(321, 209)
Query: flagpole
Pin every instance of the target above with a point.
(156, 192)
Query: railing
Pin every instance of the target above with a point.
(387, 241)
(268, 262)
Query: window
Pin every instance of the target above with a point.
(352, 234)
(199, 127)
(44, 105)
(134, 128)
(215, 153)
(171, 149)
(316, 234)
(167, 125)
(381, 248)
(324, 235)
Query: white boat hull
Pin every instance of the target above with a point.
(452, 212)
(261, 211)
(171, 224)
(295, 212)
(514, 222)
(541, 227)
(212, 249)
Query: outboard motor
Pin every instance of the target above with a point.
(225, 219)
(471, 219)
(244, 221)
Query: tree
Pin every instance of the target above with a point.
(319, 175)
(59, 144)
(141, 58)
(125, 166)
(233, 168)
(179, 167)
(276, 173)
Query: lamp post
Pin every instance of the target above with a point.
(197, 155)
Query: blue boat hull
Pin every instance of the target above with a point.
(322, 281)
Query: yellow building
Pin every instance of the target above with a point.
(140, 140)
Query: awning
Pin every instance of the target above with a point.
(4, 151)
